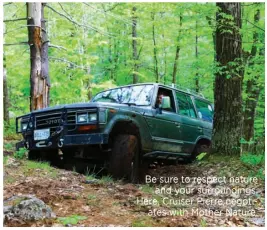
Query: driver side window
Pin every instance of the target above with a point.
(162, 92)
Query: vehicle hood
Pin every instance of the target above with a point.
(89, 105)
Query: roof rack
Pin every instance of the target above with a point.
(187, 90)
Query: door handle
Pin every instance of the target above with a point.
(200, 129)
(178, 125)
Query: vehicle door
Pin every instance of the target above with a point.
(205, 113)
(190, 125)
(165, 125)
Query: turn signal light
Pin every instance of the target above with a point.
(87, 127)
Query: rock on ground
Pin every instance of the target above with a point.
(26, 208)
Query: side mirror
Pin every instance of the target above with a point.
(166, 102)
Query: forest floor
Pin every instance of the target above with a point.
(105, 202)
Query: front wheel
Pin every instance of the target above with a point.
(125, 159)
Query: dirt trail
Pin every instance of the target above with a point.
(105, 202)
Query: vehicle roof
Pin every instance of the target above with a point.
(189, 92)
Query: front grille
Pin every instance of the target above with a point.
(52, 119)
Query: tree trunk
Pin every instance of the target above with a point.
(40, 82)
(156, 69)
(252, 92)
(227, 123)
(175, 65)
(196, 54)
(134, 45)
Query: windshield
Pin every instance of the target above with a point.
(137, 95)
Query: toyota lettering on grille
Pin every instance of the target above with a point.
(52, 121)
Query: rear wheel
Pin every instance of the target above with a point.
(125, 159)
(200, 148)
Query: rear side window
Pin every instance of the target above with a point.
(185, 105)
(204, 110)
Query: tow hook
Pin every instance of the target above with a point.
(26, 144)
(60, 143)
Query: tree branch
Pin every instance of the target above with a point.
(9, 3)
(255, 25)
(16, 19)
(69, 62)
(21, 27)
(56, 46)
(15, 44)
(77, 23)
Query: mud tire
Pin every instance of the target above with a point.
(34, 155)
(200, 148)
(125, 158)
(51, 156)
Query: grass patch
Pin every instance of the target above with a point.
(90, 177)
(32, 165)
(106, 179)
(21, 153)
(143, 222)
(91, 197)
(73, 219)
(38, 165)
(9, 179)
(9, 146)
(5, 160)
(203, 223)
(147, 189)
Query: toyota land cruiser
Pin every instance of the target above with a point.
(122, 127)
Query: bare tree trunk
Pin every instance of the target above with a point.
(175, 65)
(156, 69)
(40, 82)
(252, 92)
(227, 123)
(134, 45)
(196, 54)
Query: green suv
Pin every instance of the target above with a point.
(124, 128)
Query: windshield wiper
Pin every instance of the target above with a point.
(128, 103)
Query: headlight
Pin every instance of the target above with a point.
(23, 126)
(82, 118)
(92, 117)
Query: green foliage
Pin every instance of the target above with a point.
(10, 130)
(5, 160)
(73, 219)
(203, 223)
(8, 146)
(99, 55)
(142, 222)
(252, 159)
(21, 153)
(106, 179)
(201, 156)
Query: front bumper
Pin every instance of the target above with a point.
(64, 141)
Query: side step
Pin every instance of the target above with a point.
(166, 155)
